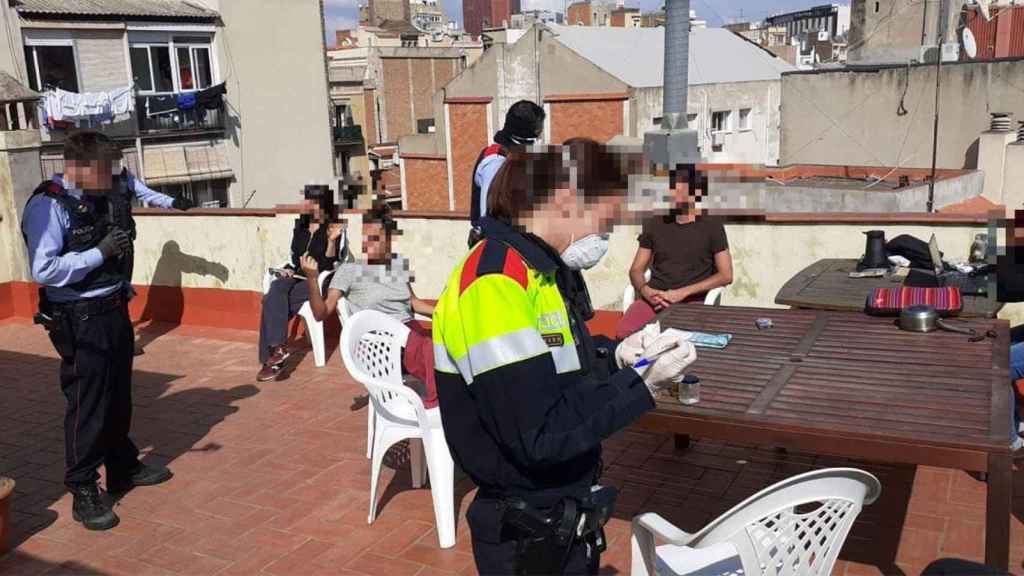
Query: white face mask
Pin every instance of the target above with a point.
(585, 253)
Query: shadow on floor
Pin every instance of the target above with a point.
(397, 458)
(22, 563)
(165, 426)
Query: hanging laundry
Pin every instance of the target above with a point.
(122, 101)
(94, 107)
(156, 105)
(186, 101)
(212, 98)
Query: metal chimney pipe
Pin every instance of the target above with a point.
(677, 60)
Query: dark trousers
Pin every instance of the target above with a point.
(957, 567)
(280, 303)
(96, 378)
(495, 553)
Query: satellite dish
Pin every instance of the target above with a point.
(983, 6)
(968, 43)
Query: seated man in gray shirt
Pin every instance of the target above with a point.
(381, 283)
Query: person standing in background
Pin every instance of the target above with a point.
(78, 253)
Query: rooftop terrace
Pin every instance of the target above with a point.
(272, 478)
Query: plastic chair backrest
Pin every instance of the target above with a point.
(371, 348)
(629, 293)
(344, 310)
(796, 527)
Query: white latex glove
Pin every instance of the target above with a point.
(630, 350)
(671, 365)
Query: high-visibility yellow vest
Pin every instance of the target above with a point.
(495, 310)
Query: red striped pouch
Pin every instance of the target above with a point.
(889, 301)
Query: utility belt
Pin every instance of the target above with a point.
(545, 537)
(56, 317)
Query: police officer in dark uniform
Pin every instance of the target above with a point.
(525, 397)
(82, 258)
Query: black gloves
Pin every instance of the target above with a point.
(182, 203)
(115, 243)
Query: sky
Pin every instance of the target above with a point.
(342, 14)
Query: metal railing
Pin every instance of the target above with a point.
(348, 134)
(195, 119)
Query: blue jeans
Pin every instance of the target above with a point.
(1016, 373)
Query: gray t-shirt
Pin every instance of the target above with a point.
(384, 288)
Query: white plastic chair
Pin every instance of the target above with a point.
(776, 532)
(344, 312)
(371, 347)
(314, 328)
(713, 298)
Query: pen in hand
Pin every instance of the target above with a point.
(643, 362)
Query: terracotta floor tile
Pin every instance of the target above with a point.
(918, 545)
(964, 540)
(299, 560)
(449, 560)
(272, 478)
(926, 523)
(374, 564)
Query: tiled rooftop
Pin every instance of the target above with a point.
(272, 478)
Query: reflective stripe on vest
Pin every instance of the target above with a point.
(484, 322)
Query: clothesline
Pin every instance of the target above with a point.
(62, 109)
(209, 99)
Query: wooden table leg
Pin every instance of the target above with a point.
(682, 441)
(998, 510)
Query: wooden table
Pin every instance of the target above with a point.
(854, 386)
(826, 285)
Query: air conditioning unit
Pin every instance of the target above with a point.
(718, 138)
(950, 52)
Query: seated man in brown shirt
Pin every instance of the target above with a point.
(688, 256)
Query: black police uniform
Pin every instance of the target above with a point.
(485, 438)
(95, 340)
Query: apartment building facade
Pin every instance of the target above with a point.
(480, 14)
(168, 53)
(599, 83)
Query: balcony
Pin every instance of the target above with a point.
(348, 134)
(194, 120)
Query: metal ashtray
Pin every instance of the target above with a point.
(763, 323)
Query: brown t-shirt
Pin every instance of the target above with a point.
(684, 254)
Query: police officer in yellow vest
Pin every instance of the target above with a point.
(525, 397)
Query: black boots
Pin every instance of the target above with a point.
(91, 509)
(142, 475)
(94, 511)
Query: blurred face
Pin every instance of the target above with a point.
(91, 176)
(685, 196)
(311, 206)
(1015, 230)
(566, 217)
(376, 243)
